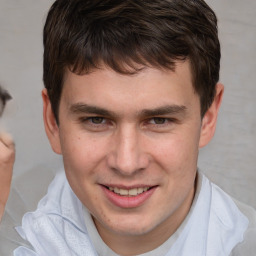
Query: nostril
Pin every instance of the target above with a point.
(126, 155)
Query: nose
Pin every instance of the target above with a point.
(128, 154)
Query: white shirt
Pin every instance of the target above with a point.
(215, 226)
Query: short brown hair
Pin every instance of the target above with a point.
(83, 34)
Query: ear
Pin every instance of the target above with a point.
(50, 124)
(210, 118)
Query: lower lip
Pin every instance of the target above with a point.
(128, 201)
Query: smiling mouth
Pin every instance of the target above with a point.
(128, 192)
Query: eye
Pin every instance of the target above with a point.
(96, 123)
(160, 124)
(159, 120)
(97, 120)
(93, 121)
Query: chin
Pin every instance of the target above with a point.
(133, 227)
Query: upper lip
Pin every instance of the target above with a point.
(128, 187)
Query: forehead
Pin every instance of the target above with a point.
(105, 87)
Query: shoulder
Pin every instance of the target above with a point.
(248, 211)
(20, 201)
(57, 226)
(59, 203)
(229, 222)
(248, 245)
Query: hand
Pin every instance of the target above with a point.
(7, 157)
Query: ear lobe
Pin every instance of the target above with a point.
(50, 124)
(210, 118)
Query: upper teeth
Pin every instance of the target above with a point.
(128, 192)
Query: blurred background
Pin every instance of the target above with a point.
(229, 160)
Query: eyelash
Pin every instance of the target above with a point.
(156, 119)
(167, 122)
(90, 120)
(105, 122)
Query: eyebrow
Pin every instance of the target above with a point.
(165, 110)
(80, 108)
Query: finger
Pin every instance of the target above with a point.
(7, 139)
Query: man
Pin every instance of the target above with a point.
(131, 94)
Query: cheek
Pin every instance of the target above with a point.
(81, 162)
(80, 153)
(177, 154)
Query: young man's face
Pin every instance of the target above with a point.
(138, 135)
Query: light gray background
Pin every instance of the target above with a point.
(229, 159)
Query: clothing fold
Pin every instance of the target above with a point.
(214, 226)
